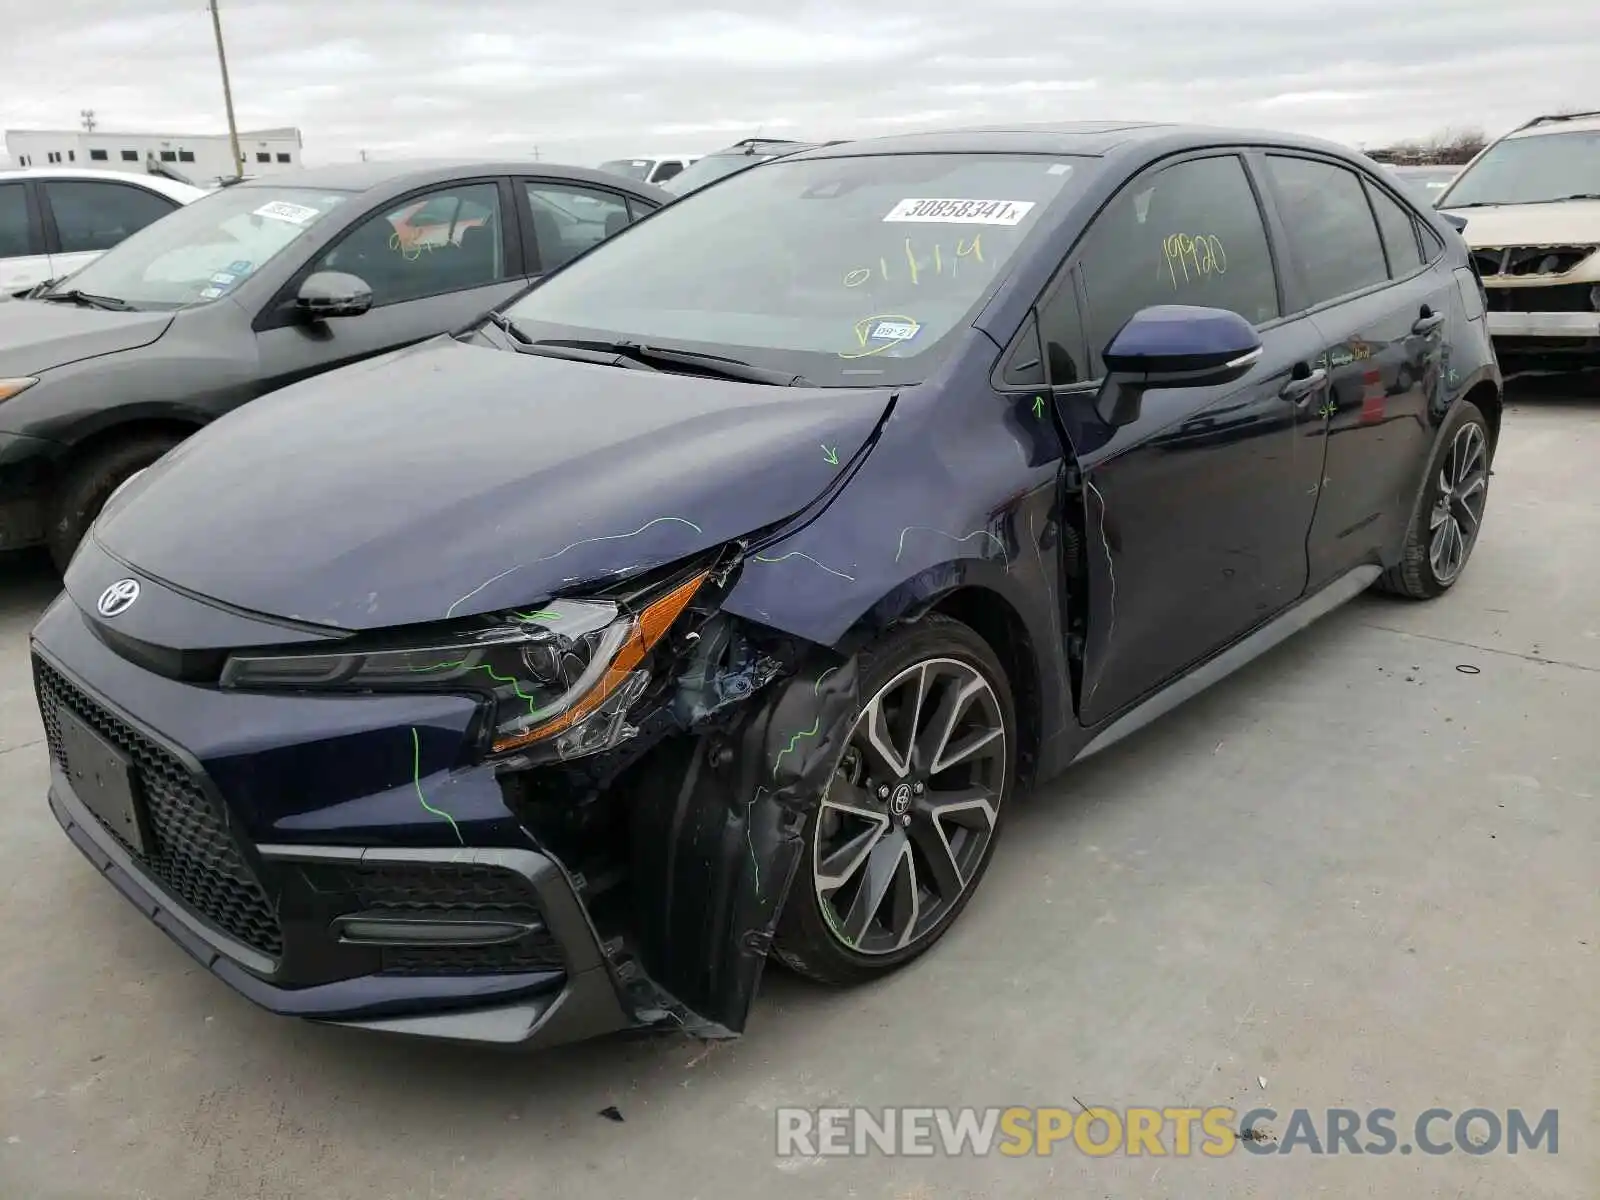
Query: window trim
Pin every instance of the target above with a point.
(36, 241)
(47, 212)
(1301, 290)
(533, 264)
(278, 311)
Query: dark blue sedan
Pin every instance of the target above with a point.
(716, 599)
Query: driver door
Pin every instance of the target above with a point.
(1195, 514)
(435, 260)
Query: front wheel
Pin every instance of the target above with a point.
(1448, 513)
(89, 484)
(902, 836)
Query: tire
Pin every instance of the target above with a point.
(87, 486)
(812, 936)
(1418, 574)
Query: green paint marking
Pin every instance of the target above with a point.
(416, 781)
(789, 749)
(1038, 407)
(816, 689)
(830, 456)
(486, 668)
(448, 666)
(541, 615)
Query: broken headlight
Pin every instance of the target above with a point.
(559, 679)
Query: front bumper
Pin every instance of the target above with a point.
(327, 932)
(1545, 324)
(27, 466)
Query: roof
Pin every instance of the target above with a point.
(155, 183)
(406, 173)
(1093, 138)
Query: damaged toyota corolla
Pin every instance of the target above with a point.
(712, 601)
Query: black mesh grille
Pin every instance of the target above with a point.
(191, 852)
(450, 890)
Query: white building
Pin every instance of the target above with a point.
(200, 158)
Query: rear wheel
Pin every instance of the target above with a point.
(88, 485)
(1448, 513)
(902, 837)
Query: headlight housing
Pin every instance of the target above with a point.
(560, 679)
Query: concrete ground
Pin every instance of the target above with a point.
(1354, 875)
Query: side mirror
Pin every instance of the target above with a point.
(332, 294)
(1172, 346)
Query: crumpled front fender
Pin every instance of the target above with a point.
(718, 836)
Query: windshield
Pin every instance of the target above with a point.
(633, 168)
(847, 271)
(202, 251)
(1528, 170)
(709, 170)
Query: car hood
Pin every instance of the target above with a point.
(451, 479)
(36, 335)
(1565, 223)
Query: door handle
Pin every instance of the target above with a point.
(1301, 388)
(1428, 321)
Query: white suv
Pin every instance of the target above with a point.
(1531, 203)
(54, 220)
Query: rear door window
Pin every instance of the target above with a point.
(1399, 230)
(93, 216)
(1332, 234)
(567, 220)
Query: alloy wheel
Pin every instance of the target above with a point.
(1458, 505)
(912, 807)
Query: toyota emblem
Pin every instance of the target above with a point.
(118, 598)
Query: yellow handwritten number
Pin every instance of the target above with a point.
(1193, 257)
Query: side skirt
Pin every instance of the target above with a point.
(1248, 648)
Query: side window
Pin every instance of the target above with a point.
(1024, 366)
(666, 171)
(14, 239)
(96, 216)
(1190, 233)
(1331, 231)
(1399, 229)
(444, 241)
(568, 220)
(1061, 335)
(1432, 244)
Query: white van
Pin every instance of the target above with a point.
(54, 220)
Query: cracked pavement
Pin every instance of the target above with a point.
(1353, 871)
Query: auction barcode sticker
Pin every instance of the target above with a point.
(295, 214)
(961, 212)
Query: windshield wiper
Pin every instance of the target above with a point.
(714, 365)
(109, 303)
(1583, 196)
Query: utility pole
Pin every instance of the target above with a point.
(227, 91)
(88, 119)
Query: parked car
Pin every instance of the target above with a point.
(656, 168)
(255, 286)
(719, 595)
(1531, 206)
(1428, 182)
(735, 158)
(53, 220)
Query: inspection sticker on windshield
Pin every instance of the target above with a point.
(961, 212)
(894, 331)
(223, 278)
(210, 293)
(295, 214)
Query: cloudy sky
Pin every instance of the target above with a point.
(583, 80)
